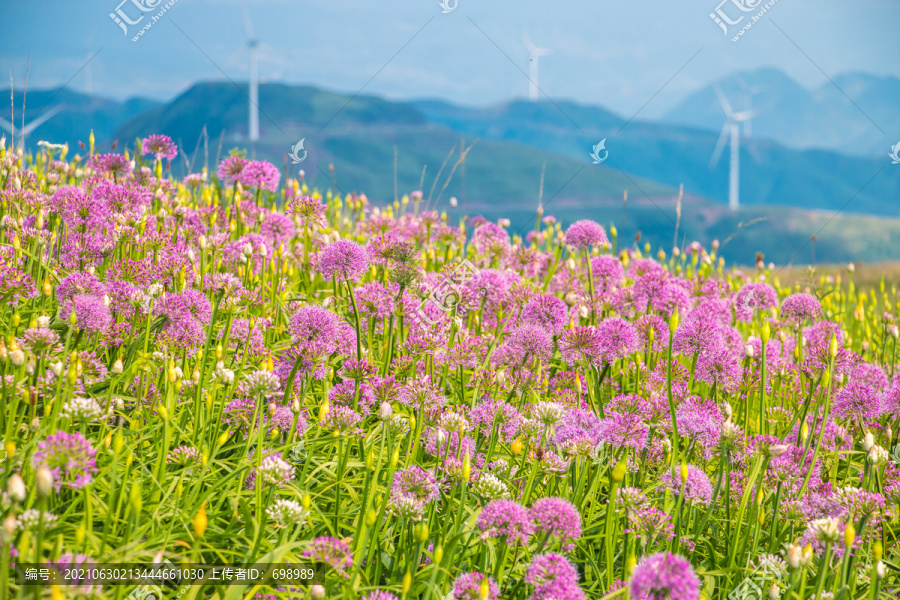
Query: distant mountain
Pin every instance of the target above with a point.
(771, 174)
(79, 114)
(857, 114)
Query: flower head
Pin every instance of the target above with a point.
(506, 521)
(343, 259)
(69, 457)
(557, 518)
(664, 576)
(260, 174)
(584, 234)
(469, 586)
(159, 145)
(801, 307)
(330, 551)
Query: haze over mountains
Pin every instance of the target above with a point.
(792, 162)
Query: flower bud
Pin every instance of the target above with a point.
(484, 590)
(15, 487)
(516, 447)
(371, 517)
(673, 322)
(438, 554)
(118, 367)
(44, 482)
(9, 528)
(317, 591)
(422, 532)
(385, 411)
(136, 498)
(618, 473)
(407, 583)
(467, 467)
(630, 563)
(17, 357)
(849, 535)
(880, 570)
(200, 521)
(868, 441)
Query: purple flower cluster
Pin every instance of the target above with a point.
(507, 521)
(664, 576)
(160, 146)
(585, 234)
(70, 459)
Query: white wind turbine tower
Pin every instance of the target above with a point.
(731, 129)
(533, 53)
(253, 55)
(19, 134)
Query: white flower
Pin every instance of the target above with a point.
(491, 487)
(82, 409)
(548, 413)
(31, 519)
(878, 455)
(17, 357)
(827, 529)
(284, 513)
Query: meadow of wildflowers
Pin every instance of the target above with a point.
(236, 369)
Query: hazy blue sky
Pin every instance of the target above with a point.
(618, 54)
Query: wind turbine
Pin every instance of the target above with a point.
(251, 46)
(732, 130)
(253, 56)
(28, 128)
(749, 91)
(533, 53)
(255, 50)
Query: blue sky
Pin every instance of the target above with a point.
(623, 55)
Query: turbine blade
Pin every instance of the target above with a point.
(7, 125)
(234, 57)
(745, 115)
(248, 24)
(40, 120)
(720, 145)
(528, 43)
(726, 106)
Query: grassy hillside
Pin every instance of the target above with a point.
(770, 173)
